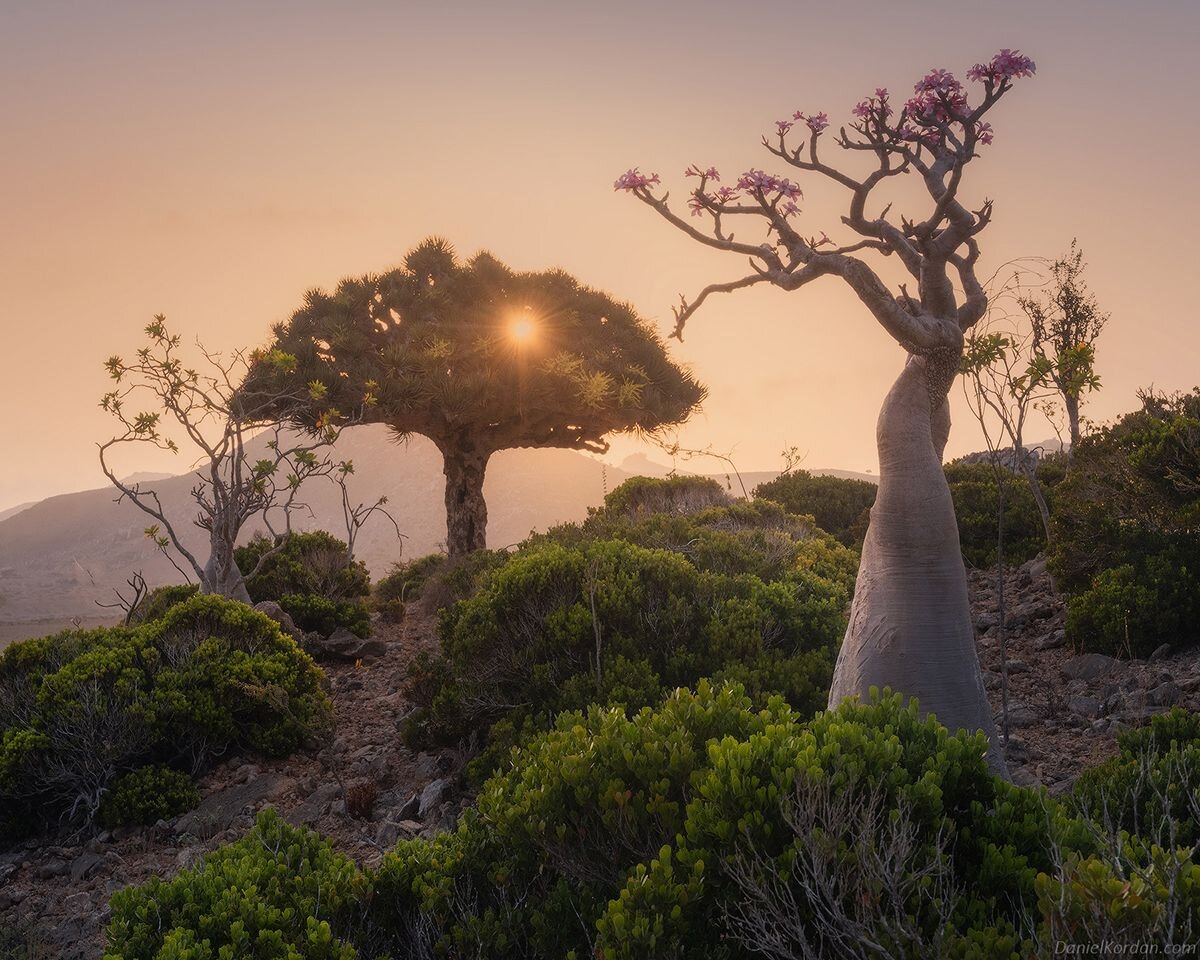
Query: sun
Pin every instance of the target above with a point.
(521, 328)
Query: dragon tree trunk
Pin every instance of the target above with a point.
(910, 624)
(466, 510)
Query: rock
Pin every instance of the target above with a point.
(431, 796)
(188, 856)
(314, 807)
(1164, 695)
(7, 870)
(51, 869)
(346, 646)
(985, 622)
(1024, 777)
(1016, 751)
(1052, 642)
(1036, 568)
(84, 864)
(281, 617)
(991, 680)
(1084, 706)
(1161, 652)
(411, 808)
(218, 810)
(1017, 666)
(387, 834)
(1019, 715)
(1091, 666)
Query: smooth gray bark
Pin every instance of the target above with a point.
(910, 624)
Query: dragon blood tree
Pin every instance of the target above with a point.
(910, 625)
(480, 358)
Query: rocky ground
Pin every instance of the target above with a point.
(366, 789)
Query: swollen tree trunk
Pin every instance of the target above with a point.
(910, 624)
(466, 510)
(222, 576)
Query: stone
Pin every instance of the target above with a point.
(219, 809)
(1052, 641)
(387, 834)
(7, 870)
(1019, 715)
(1161, 652)
(1024, 777)
(51, 869)
(1084, 706)
(346, 646)
(281, 617)
(411, 808)
(1166, 694)
(431, 796)
(314, 806)
(1017, 666)
(84, 865)
(1091, 666)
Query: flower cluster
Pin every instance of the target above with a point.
(633, 179)
(709, 174)
(939, 99)
(1006, 65)
(816, 121)
(758, 181)
(869, 106)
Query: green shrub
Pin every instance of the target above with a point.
(279, 893)
(606, 621)
(1126, 544)
(975, 490)
(81, 708)
(838, 505)
(1152, 787)
(321, 615)
(309, 563)
(146, 796)
(161, 599)
(640, 497)
(405, 581)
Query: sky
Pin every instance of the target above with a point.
(213, 161)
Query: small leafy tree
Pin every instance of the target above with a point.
(1066, 322)
(910, 607)
(218, 423)
(478, 358)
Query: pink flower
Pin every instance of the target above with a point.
(758, 181)
(709, 174)
(881, 93)
(725, 194)
(983, 131)
(817, 122)
(783, 126)
(1006, 65)
(862, 109)
(790, 209)
(633, 180)
(696, 205)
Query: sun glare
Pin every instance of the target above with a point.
(521, 328)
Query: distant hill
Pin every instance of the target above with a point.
(59, 556)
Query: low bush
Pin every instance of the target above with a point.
(161, 599)
(559, 627)
(1151, 789)
(701, 828)
(840, 506)
(279, 893)
(317, 614)
(404, 584)
(976, 493)
(309, 563)
(147, 795)
(82, 708)
(639, 497)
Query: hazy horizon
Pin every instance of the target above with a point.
(212, 163)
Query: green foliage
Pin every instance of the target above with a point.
(1127, 529)
(1152, 787)
(430, 347)
(594, 614)
(321, 615)
(81, 708)
(279, 893)
(976, 491)
(161, 599)
(839, 506)
(146, 796)
(405, 581)
(639, 497)
(309, 563)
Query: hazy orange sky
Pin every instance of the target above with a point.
(213, 160)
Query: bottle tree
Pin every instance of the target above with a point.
(479, 358)
(910, 624)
